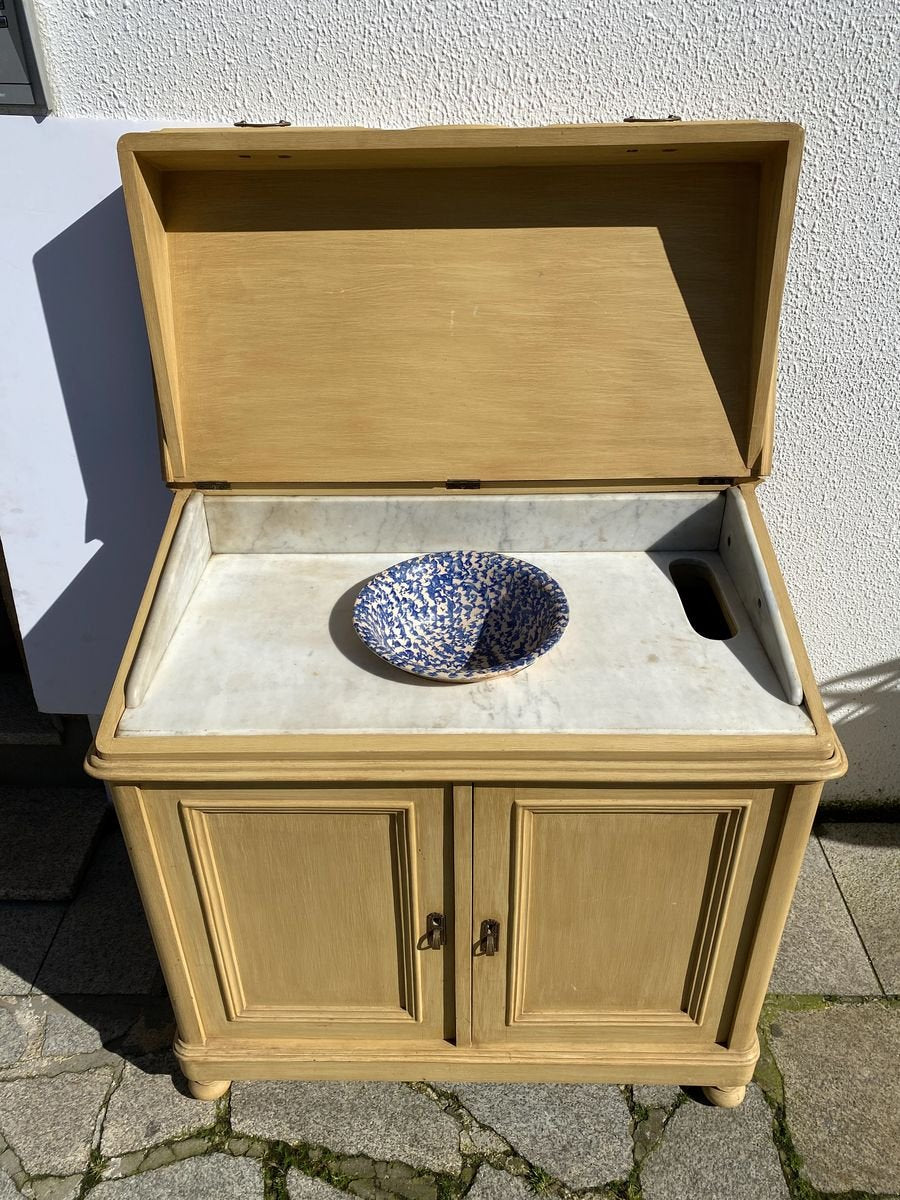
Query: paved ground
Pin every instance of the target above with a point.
(89, 1105)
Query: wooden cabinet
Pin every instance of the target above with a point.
(306, 928)
(374, 344)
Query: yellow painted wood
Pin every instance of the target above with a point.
(462, 913)
(708, 871)
(620, 910)
(346, 306)
(302, 911)
(573, 308)
(637, 1062)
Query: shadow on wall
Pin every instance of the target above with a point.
(92, 306)
(865, 708)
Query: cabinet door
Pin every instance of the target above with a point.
(620, 911)
(302, 911)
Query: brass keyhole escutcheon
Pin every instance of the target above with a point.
(435, 931)
(490, 937)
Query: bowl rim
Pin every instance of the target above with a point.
(512, 665)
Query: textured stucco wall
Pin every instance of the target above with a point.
(834, 502)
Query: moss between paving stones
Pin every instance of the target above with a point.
(370, 1179)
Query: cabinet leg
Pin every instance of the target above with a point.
(208, 1091)
(726, 1097)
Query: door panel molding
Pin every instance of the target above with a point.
(196, 817)
(725, 855)
(662, 904)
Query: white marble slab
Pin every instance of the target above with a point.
(361, 524)
(266, 646)
(742, 557)
(188, 555)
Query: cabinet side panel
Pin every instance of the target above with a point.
(175, 952)
(780, 863)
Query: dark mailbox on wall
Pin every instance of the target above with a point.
(21, 88)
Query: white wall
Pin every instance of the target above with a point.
(834, 502)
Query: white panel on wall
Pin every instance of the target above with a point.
(834, 501)
(81, 497)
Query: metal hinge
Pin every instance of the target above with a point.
(462, 485)
(716, 480)
(212, 485)
(261, 124)
(652, 120)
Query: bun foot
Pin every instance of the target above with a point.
(727, 1097)
(208, 1091)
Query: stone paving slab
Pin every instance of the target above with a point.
(386, 1121)
(211, 1177)
(865, 858)
(133, 1026)
(821, 952)
(94, 1024)
(67, 1187)
(657, 1095)
(709, 1153)
(103, 944)
(20, 722)
(21, 1030)
(8, 1190)
(13, 1035)
(49, 1121)
(147, 1108)
(491, 1184)
(47, 835)
(26, 931)
(842, 1093)
(578, 1133)
(305, 1187)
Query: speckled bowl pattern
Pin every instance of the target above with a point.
(461, 615)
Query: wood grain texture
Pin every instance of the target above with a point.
(304, 909)
(427, 324)
(142, 187)
(464, 934)
(744, 847)
(639, 931)
(635, 1062)
(346, 306)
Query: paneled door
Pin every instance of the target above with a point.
(616, 911)
(312, 911)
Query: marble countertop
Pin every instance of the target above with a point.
(266, 645)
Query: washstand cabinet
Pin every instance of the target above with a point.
(558, 343)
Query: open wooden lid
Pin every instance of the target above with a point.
(573, 304)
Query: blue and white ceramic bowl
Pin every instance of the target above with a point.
(461, 615)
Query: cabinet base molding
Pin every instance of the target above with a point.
(207, 1065)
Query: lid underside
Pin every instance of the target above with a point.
(344, 315)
